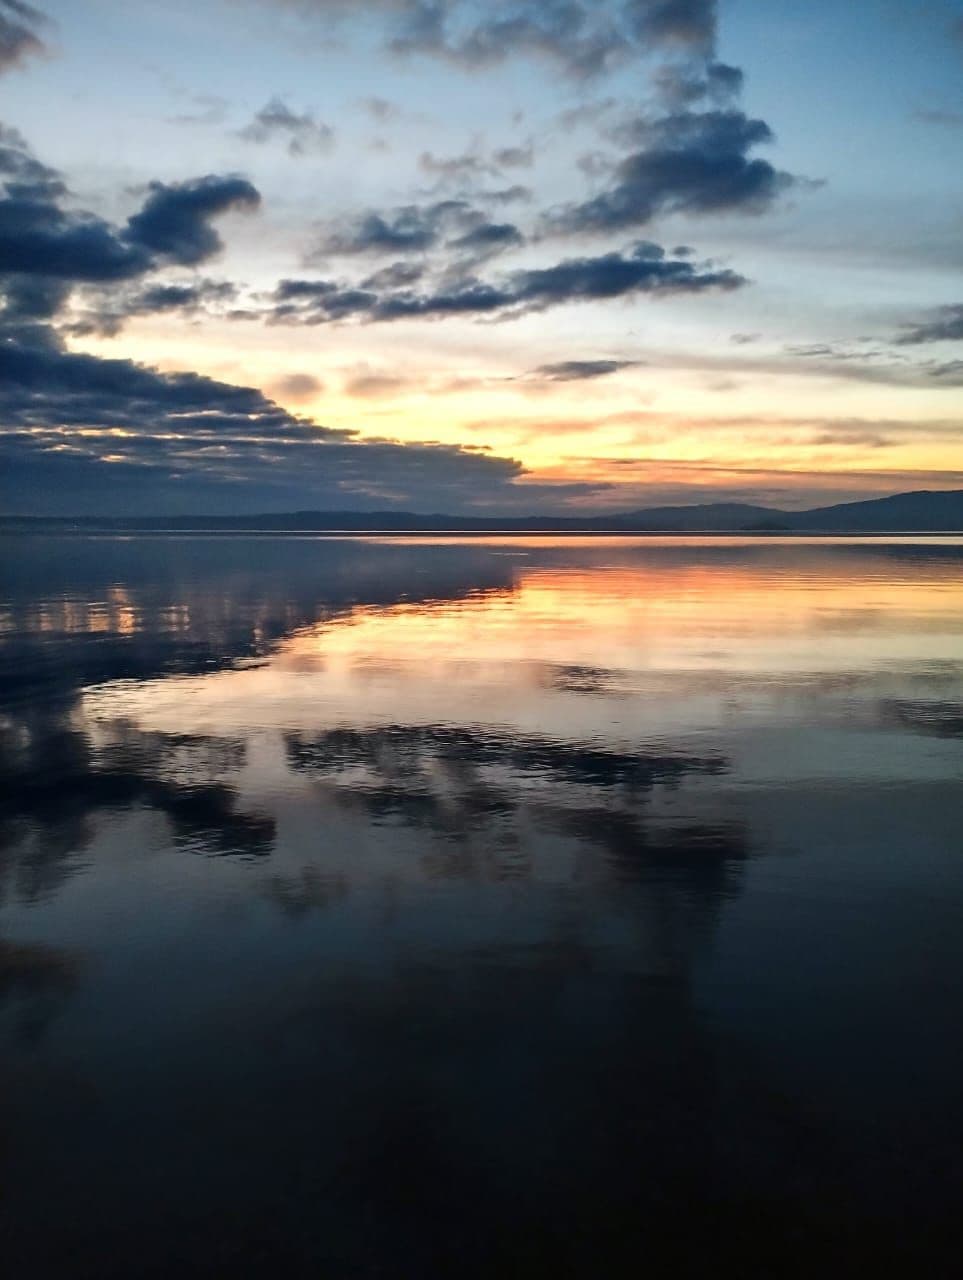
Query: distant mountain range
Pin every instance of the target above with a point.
(924, 511)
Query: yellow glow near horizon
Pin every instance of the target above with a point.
(645, 425)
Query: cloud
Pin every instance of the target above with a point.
(411, 228)
(949, 373)
(946, 326)
(461, 172)
(514, 157)
(381, 109)
(517, 193)
(210, 109)
(81, 434)
(297, 386)
(76, 427)
(191, 297)
(371, 383)
(20, 27)
(595, 164)
(682, 85)
(951, 119)
(398, 275)
(690, 162)
(643, 269)
(303, 133)
(22, 173)
(489, 238)
(49, 251)
(453, 169)
(39, 238)
(175, 221)
(581, 370)
(688, 24)
(585, 38)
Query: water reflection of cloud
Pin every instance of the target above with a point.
(35, 979)
(310, 889)
(58, 779)
(464, 997)
(489, 794)
(938, 719)
(583, 679)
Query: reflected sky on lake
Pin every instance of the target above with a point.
(480, 906)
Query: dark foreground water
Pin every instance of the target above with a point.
(480, 908)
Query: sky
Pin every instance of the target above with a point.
(554, 256)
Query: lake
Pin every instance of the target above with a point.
(480, 906)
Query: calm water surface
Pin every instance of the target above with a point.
(488, 907)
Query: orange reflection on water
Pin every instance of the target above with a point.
(663, 624)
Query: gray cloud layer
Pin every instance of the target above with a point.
(643, 269)
(945, 326)
(585, 37)
(580, 370)
(79, 431)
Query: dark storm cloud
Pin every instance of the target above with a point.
(580, 370)
(690, 162)
(303, 133)
(644, 269)
(20, 27)
(175, 221)
(945, 326)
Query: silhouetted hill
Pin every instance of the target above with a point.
(712, 517)
(924, 511)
